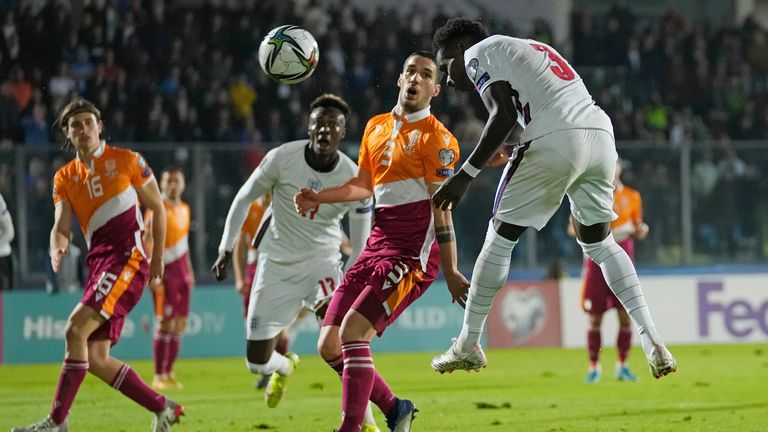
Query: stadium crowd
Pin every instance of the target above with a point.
(163, 71)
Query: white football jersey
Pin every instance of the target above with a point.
(548, 93)
(292, 237)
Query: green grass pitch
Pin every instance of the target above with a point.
(717, 388)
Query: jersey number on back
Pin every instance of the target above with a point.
(562, 70)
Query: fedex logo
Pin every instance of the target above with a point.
(740, 317)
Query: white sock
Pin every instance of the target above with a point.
(620, 274)
(277, 363)
(490, 273)
(369, 419)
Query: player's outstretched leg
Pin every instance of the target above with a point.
(621, 276)
(45, 425)
(278, 382)
(167, 417)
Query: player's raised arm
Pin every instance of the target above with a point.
(359, 187)
(253, 188)
(149, 194)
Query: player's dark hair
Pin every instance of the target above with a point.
(456, 28)
(172, 169)
(76, 106)
(427, 54)
(329, 100)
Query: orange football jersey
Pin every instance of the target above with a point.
(177, 222)
(103, 190)
(404, 154)
(628, 205)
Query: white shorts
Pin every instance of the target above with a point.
(579, 163)
(280, 291)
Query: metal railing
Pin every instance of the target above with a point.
(700, 213)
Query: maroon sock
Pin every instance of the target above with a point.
(593, 344)
(336, 364)
(381, 394)
(356, 383)
(130, 384)
(72, 375)
(173, 353)
(160, 351)
(282, 345)
(624, 342)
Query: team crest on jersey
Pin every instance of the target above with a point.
(377, 130)
(447, 156)
(472, 69)
(413, 138)
(111, 167)
(314, 184)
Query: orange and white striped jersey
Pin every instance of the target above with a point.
(103, 194)
(628, 205)
(404, 154)
(177, 222)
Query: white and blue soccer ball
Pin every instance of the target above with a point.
(288, 54)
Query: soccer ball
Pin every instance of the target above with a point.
(288, 54)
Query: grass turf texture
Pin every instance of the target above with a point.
(717, 388)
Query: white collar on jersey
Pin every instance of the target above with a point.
(414, 117)
(99, 151)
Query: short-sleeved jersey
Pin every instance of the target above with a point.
(404, 154)
(293, 237)
(177, 222)
(103, 196)
(548, 93)
(628, 205)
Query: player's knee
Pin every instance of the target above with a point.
(600, 250)
(75, 333)
(329, 349)
(256, 353)
(97, 362)
(181, 325)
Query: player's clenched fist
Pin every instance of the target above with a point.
(306, 200)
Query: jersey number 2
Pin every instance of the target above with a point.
(562, 70)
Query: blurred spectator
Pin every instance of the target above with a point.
(36, 128)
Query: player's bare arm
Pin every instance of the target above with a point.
(60, 234)
(458, 285)
(150, 197)
(357, 188)
(239, 258)
(502, 119)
